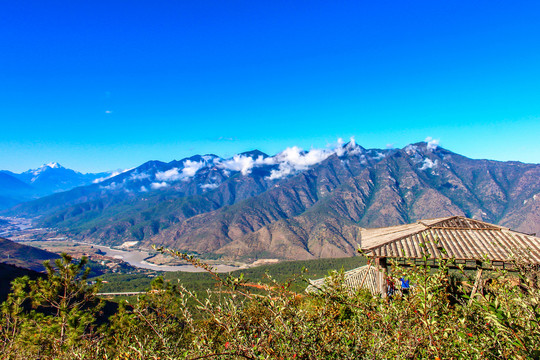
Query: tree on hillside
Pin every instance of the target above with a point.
(66, 293)
(64, 306)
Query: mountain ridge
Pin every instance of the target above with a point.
(295, 204)
(46, 180)
(24, 256)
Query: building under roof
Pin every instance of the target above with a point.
(456, 237)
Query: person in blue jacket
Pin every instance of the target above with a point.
(404, 286)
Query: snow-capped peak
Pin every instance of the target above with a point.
(53, 165)
(42, 168)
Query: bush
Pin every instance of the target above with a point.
(242, 320)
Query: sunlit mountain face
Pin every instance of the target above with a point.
(294, 204)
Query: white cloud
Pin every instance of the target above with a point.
(209, 186)
(245, 164)
(363, 160)
(189, 170)
(301, 160)
(350, 149)
(295, 159)
(432, 144)
(428, 164)
(138, 177)
(411, 149)
(339, 150)
(209, 158)
(143, 189)
(157, 185)
(285, 169)
(379, 156)
(169, 175)
(113, 174)
(112, 186)
(240, 163)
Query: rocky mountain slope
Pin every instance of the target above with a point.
(295, 204)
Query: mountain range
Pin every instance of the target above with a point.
(293, 205)
(48, 179)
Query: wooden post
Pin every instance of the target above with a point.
(534, 277)
(365, 276)
(377, 275)
(476, 285)
(381, 265)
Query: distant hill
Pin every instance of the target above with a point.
(13, 190)
(8, 273)
(24, 256)
(293, 205)
(47, 179)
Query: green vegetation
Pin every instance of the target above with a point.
(8, 273)
(201, 281)
(133, 219)
(436, 320)
(64, 309)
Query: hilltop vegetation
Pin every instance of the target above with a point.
(199, 282)
(8, 273)
(436, 320)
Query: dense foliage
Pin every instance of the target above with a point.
(240, 320)
(199, 282)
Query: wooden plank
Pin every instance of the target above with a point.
(476, 285)
(365, 276)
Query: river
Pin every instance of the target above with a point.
(136, 258)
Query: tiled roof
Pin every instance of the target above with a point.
(452, 237)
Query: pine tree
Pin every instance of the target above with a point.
(64, 309)
(67, 295)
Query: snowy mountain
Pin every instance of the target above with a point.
(35, 183)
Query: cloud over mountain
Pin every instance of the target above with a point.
(295, 204)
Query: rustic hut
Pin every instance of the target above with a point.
(470, 242)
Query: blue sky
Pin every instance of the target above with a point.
(105, 85)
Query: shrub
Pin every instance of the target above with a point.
(242, 320)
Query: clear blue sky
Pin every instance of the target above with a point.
(99, 85)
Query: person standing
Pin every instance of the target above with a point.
(390, 288)
(404, 286)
